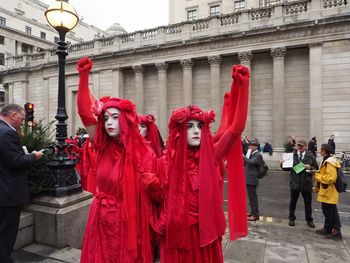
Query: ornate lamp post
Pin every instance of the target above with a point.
(63, 179)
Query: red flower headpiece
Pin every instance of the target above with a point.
(192, 112)
(108, 102)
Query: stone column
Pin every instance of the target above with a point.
(117, 83)
(278, 55)
(96, 84)
(46, 99)
(316, 88)
(245, 58)
(187, 65)
(162, 68)
(10, 94)
(139, 70)
(215, 93)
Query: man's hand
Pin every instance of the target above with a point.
(84, 65)
(38, 155)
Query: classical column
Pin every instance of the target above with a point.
(46, 101)
(139, 70)
(10, 94)
(245, 58)
(117, 83)
(215, 93)
(187, 65)
(278, 133)
(316, 88)
(162, 68)
(96, 84)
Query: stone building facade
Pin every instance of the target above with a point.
(298, 53)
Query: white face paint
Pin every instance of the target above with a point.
(111, 117)
(194, 129)
(143, 130)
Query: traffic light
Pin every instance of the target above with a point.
(29, 108)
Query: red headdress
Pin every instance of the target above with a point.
(134, 147)
(211, 216)
(153, 135)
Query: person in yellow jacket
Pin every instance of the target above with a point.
(328, 195)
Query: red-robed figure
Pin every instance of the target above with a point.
(118, 228)
(192, 220)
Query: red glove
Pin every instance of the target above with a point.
(85, 98)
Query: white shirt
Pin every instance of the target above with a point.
(303, 154)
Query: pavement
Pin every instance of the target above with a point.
(270, 240)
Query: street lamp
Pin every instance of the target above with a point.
(63, 179)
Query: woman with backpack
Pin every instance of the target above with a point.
(328, 195)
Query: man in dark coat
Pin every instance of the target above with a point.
(302, 182)
(14, 191)
(312, 146)
(251, 165)
(331, 143)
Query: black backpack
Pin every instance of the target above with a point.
(262, 170)
(340, 183)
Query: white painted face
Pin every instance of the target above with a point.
(143, 129)
(194, 129)
(111, 117)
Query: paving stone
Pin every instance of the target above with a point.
(334, 252)
(244, 251)
(276, 252)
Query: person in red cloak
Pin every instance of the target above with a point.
(191, 179)
(89, 165)
(150, 132)
(117, 229)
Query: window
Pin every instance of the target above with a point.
(43, 35)
(56, 39)
(215, 10)
(191, 15)
(2, 21)
(27, 48)
(2, 59)
(28, 30)
(239, 5)
(2, 40)
(265, 3)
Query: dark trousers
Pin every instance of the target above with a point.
(253, 200)
(307, 196)
(9, 221)
(331, 216)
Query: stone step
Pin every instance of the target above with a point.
(25, 234)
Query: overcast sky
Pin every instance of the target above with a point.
(131, 14)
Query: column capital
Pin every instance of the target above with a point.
(186, 63)
(245, 56)
(162, 66)
(138, 69)
(278, 52)
(215, 60)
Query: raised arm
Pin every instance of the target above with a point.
(85, 98)
(234, 113)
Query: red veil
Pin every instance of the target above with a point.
(135, 148)
(211, 216)
(153, 136)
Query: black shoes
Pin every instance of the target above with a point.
(322, 232)
(291, 222)
(335, 235)
(311, 224)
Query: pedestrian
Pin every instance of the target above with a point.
(289, 145)
(118, 226)
(251, 166)
(245, 144)
(14, 170)
(192, 176)
(327, 193)
(312, 146)
(267, 148)
(331, 143)
(301, 182)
